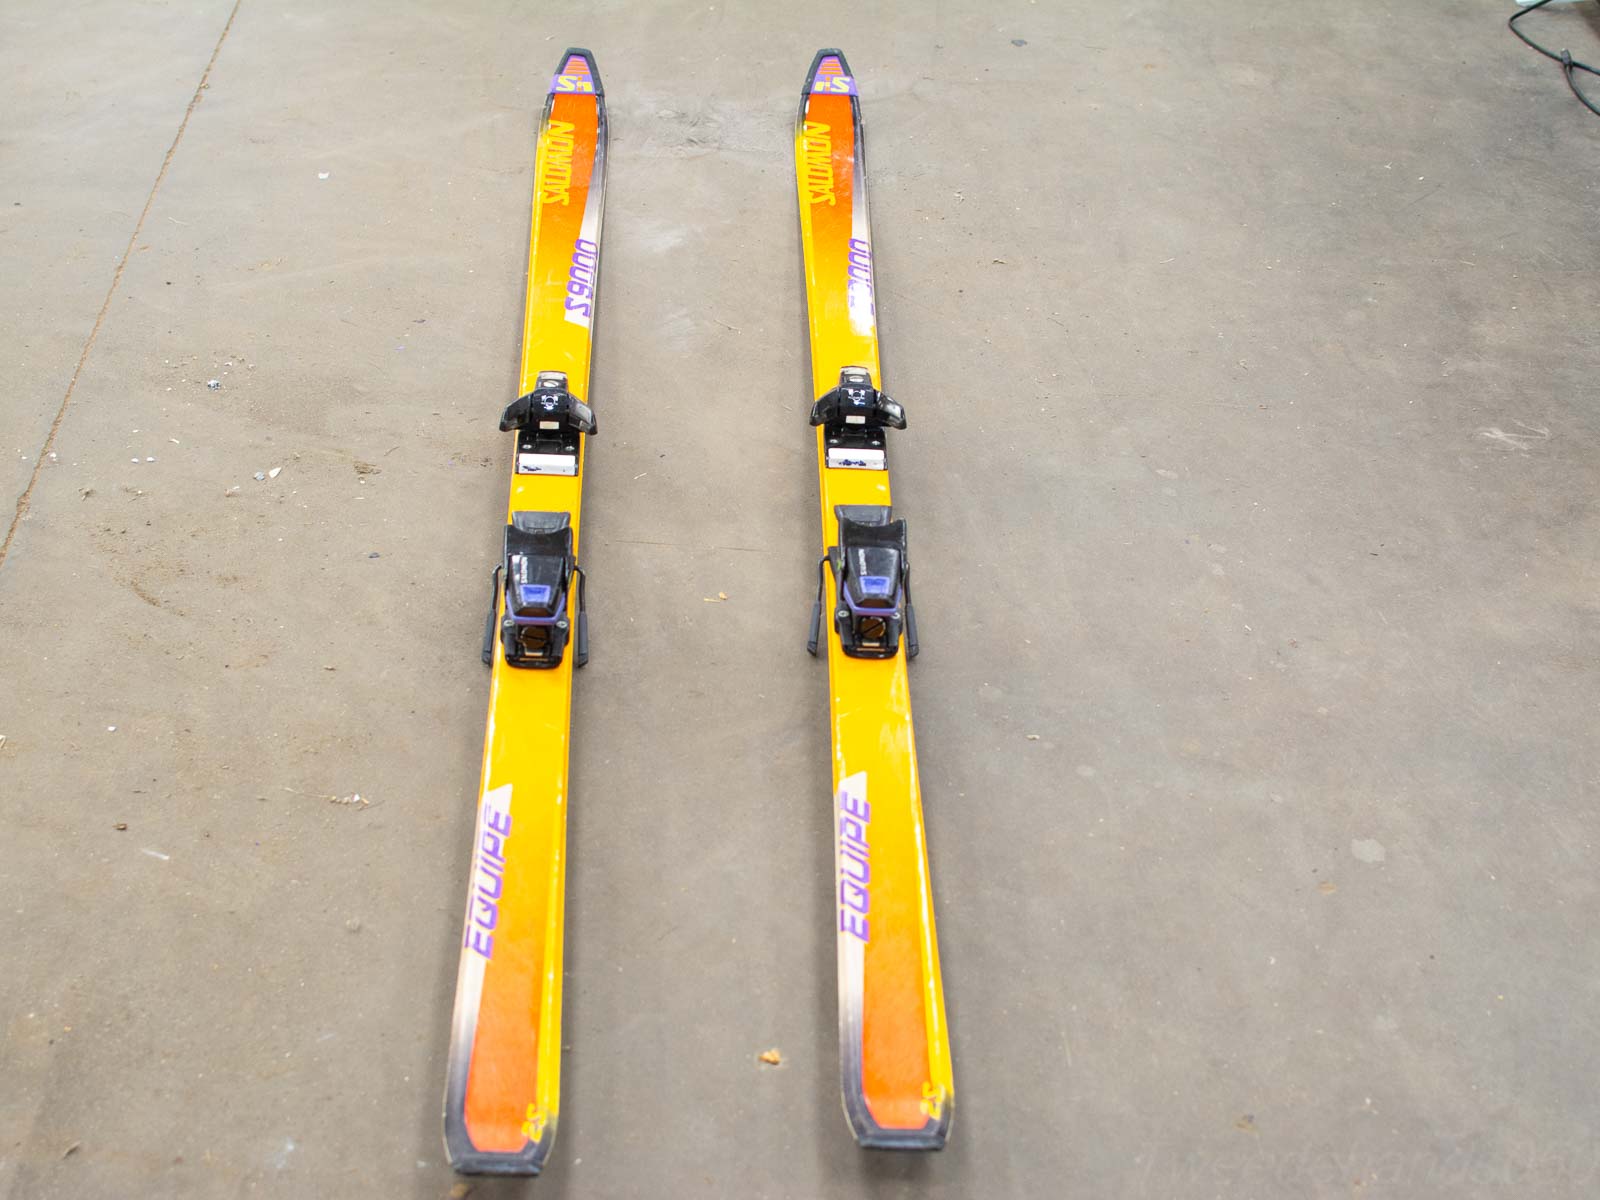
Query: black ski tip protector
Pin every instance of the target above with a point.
(567, 67)
(829, 65)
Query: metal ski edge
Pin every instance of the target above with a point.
(577, 77)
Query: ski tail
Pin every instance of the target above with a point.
(504, 1068)
(894, 1047)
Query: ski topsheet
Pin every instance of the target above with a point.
(501, 1096)
(894, 1049)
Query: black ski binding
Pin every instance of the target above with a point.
(548, 421)
(854, 416)
(872, 572)
(538, 569)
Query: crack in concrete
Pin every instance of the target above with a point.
(43, 455)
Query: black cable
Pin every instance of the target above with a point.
(1564, 57)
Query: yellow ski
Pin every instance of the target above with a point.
(894, 1047)
(502, 1093)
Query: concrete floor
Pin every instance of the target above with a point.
(1249, 352)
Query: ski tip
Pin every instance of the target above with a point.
(577, 74)
(829, 75)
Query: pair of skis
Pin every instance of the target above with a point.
(502, 1094)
